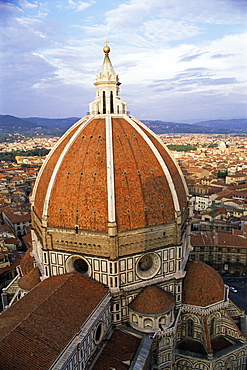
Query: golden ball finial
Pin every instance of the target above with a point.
(106, 48)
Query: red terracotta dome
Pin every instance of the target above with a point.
(92, 177)
(153, 300)
(27, 262)
(30, 280)
(109, 168)
(203, 285)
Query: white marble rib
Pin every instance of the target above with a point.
(51, 153)
(160, 160)
(58, 164)
(110, 170)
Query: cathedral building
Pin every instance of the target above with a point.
(108, 283)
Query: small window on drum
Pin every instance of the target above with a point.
(81, 266)
(148, 265)
(145, 263)
(98, 333)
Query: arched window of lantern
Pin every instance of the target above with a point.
(111, 103)
(104, 103)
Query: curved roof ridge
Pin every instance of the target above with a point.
(153, 300)
(202, 285)
(52, 151)
(166, 149)
(161, 161)
(59, 162)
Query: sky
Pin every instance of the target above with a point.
(177, 60)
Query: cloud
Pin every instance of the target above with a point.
(143, 23)
(8, 10)
(217, 56)
(192, 79)
(219, 11)
(159, 30)
(78, 6)
(25, 35)
(164, 51)
(189, 58)
(27, 5)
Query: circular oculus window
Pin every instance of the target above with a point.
(148, 265)
(79, 264)
(98, 334)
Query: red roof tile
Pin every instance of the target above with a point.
(203, 285)
(209, 238)
(153, 300)
(120, 347)
(27, 262)
(30, 280)
(35, 330)
(79, 193)
(220, 343)
(14, 258)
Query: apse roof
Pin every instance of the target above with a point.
(202, 285)
(153, 300)
(30, 280)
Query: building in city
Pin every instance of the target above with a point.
(18, 220)
(224, 252)
(107, 284)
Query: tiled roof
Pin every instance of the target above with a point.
(14, 258)
(5, 229)
(35, 330)
(153, 300)
(17, 216)
(211, 238)
(79, 194)
(27, 262)
(202, 285)
(120, 348)
(10, 241)
(30, 280)
(220, 343)
(27, 240)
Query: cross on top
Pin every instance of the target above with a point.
(106, 42)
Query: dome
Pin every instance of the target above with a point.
(153, 300)
(109, 176)
(109, 168)
(203, 285)
(27, 262)
(30, 280)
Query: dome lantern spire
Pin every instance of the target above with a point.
(106, 48)
(107, 100)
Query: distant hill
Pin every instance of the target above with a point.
(13, 123)
(161, 127)
(205, 127)
(230, 125)
(54, 123)
(34, 125)
(57, 126)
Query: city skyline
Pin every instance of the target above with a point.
(176, 61)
